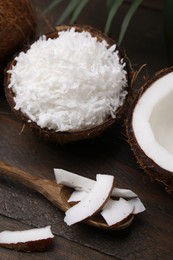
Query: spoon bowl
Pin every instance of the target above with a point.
(57, 194)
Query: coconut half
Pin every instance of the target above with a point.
(32, 240)
(17, 28)
(75, 127)
(149, 127)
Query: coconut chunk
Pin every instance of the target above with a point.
(73, 180)
(116, 211)
(37, 239)
(137, 204)
(93, 202)
(124, 193)
(77, 196)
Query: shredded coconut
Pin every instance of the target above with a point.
(69, 83)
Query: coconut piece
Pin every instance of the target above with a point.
(93, 202)
(73, 180)
(81, 183)
(76, 98)
(124, 193)
(137, 204)
(149, 127)
(115, 211)
(37, 239)
(77, 196)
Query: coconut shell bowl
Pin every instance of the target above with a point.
(82, 130)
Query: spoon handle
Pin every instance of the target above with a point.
(48, 188)
(19, 175)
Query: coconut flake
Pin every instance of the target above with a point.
(73, 180)
(124, 193)
(68, 83)
(137, 204)
(35, 234)
(77, 196)
(91, 203)
(115, 211)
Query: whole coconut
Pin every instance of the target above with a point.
(17, 27)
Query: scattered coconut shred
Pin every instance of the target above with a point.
(69, 83)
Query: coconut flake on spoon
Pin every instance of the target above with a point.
(32, 240)
(117, 213)
(93, 202)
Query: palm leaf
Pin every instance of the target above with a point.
(113, 7)
(78, 10)
(51, 6)
(133, 7)
(168, 23)
(109, 4)
(69, 9)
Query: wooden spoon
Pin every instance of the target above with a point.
(57, 194)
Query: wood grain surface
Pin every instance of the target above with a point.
(151, 234)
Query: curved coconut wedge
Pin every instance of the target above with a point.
(32, 240)
(149, 128)
(48, 125)
(57, 194)
(93, 202)
(80, 183)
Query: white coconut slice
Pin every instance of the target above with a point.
(137, 204)
(77, 196)
(124, 193)
(93, 202)
(73, 180)
(81, 183)
(37, 239)
(115, 211)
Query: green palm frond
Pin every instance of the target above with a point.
(51, 6)
(78, 10)
(130, 13)
(70, 8)
(113, 7)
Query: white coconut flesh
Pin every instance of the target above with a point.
(93, 202)
(73, 82)
(80, 183)
(24, 236)
(86, 194)
(137, 205)
(73, 180)
(152, 122)
(116, 210)
(77, 196)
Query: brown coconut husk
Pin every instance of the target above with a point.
(155, 172)
(76, 135)
(17, 27)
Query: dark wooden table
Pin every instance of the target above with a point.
(151, 234)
